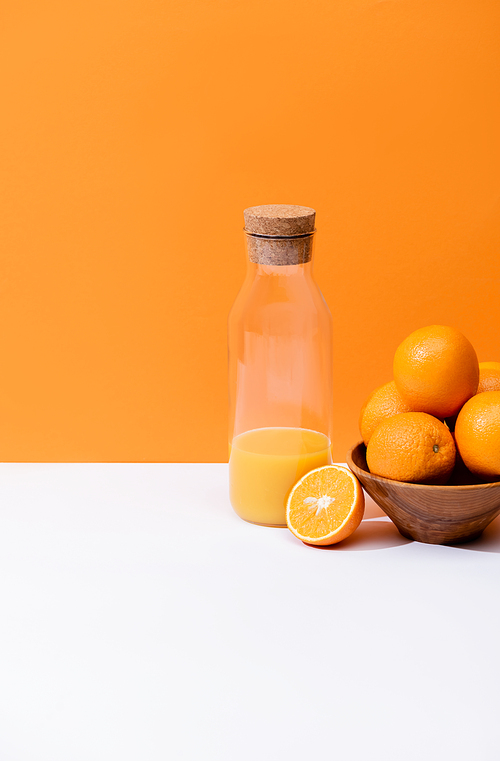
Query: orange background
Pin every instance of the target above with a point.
(134, 133)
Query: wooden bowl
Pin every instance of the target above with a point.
(431, 514)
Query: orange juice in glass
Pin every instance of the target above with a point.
(265, 463)
(280, 365)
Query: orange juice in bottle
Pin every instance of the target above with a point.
(280, 365)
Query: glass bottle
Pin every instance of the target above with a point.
(280, 365)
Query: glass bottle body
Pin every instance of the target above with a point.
(280, 388)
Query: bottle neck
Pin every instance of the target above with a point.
(282, 272)
(279, 252)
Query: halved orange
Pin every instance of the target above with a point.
(325, 506)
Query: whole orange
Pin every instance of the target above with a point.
(412, 446)
(489, 377)
(494, 365)
(436, 370)
(384, 402)
(477, 433)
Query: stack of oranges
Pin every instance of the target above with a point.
(439, 416)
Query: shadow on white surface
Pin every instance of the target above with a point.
(372, 534)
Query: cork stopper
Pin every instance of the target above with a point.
(287, 230)
(279, 219)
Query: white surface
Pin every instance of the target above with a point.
(141, 619)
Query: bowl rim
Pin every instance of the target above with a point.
(407, 484)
